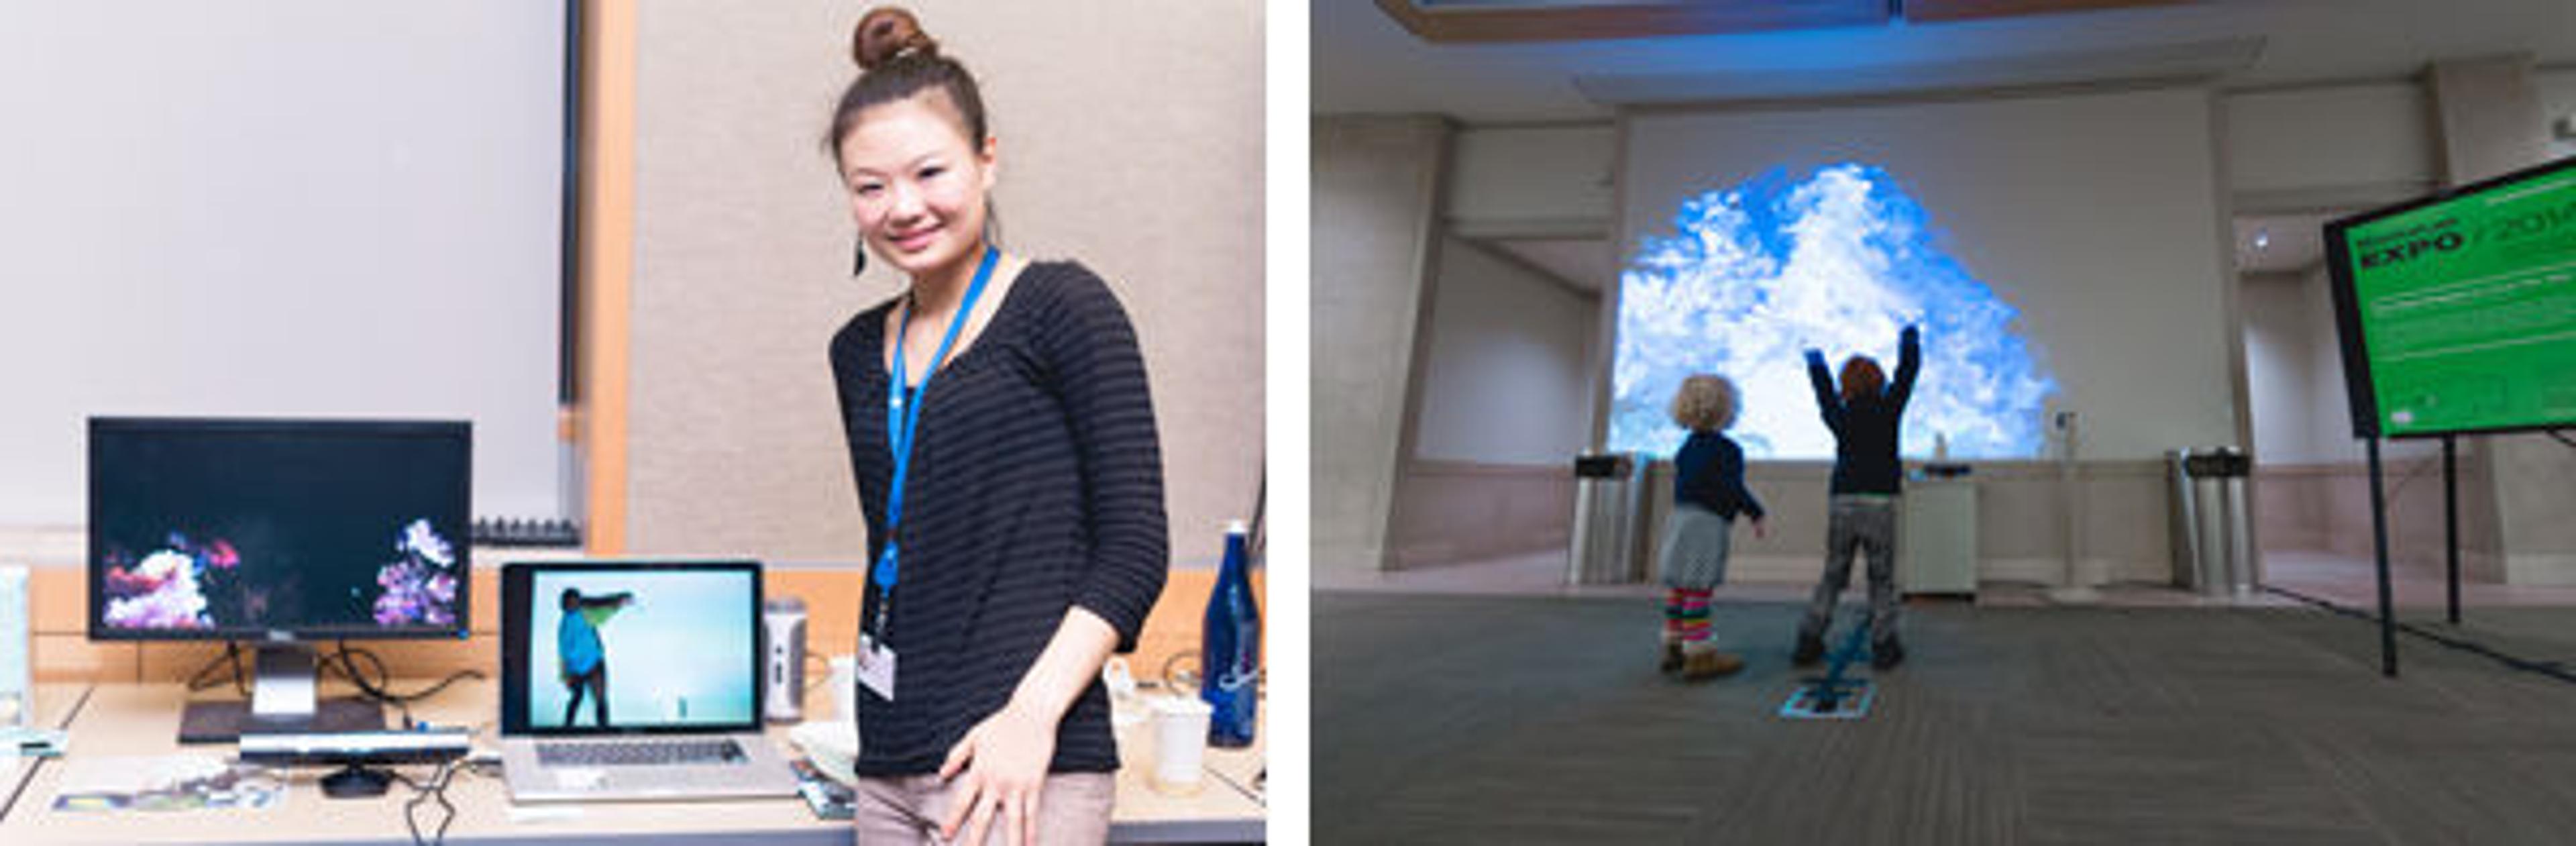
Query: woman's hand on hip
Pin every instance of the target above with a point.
(1004, 763)
(1004, 758)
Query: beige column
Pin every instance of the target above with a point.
(1376, 207)
(2489, 122)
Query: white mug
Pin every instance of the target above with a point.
(845, 687)
(1180, 742)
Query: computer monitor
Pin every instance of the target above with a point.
(282, 532)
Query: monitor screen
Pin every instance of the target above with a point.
(255, 529)
(2457, 313)
(621, 647)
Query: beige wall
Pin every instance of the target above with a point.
(1131, 139)
(201, 225)
(1450, 512)
(2279, 339)
(1551, 178)
(1503, 393)
(2294, 369)
(1376, 195)
(1506, 381)
(2326, 508)
(2558, 102)
(2312, 487)
(2312, 147)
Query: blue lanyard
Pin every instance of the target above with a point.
(903, 420)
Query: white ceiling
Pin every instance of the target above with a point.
(1363, 62)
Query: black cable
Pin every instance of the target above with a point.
(373, 691)
(2552, 669)
(232, 655)
(2421, 469)
(197, 681)
(2560, 437)
(377, 691)
(1173, 678)
(813, 679)
(437, 790)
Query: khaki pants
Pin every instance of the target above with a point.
(1073, 810)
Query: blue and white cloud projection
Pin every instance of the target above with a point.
(1838, 261)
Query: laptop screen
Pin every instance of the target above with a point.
(630, 647)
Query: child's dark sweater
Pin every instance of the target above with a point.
(1709, 473)
(1865, 430)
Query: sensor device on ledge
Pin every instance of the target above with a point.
(358, 753)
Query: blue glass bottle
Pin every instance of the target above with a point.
(1230, 648)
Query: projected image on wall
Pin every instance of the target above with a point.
(1838, 260)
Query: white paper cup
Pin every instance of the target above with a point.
(1180, 742)
(845, 687)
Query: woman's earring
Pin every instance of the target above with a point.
(860, 264)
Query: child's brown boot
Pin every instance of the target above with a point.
(1702, 665)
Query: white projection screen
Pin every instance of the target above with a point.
(2079, 234)
(288, 208)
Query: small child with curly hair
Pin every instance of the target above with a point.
(1708, 492)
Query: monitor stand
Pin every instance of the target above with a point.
(282, 700)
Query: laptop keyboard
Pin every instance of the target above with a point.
(639, 753)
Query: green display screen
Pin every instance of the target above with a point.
(2465, 308)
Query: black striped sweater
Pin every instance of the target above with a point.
(1036, 486)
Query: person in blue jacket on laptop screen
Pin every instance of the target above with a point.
(583, 658)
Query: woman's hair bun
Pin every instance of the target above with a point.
(887, 33)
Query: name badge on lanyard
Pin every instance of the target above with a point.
(903, 424)
(876, 667)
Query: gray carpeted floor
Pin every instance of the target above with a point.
(1541, 720)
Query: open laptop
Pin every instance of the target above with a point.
(634, 680)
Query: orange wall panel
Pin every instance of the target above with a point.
(62, 650)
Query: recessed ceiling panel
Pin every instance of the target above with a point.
(1468, 21)
(1930, 11)
(2189, 61)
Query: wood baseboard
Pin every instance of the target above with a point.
(1451, 511)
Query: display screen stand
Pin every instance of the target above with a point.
(283, 700)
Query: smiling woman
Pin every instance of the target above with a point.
(1015, 516)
